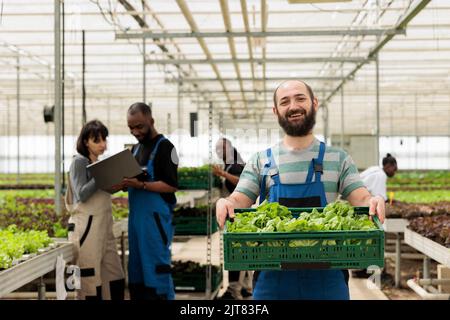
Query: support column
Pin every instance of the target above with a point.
(169, 123)
(63, 84)
(221, 123)
(209, 217)
(83, 72)
(74, 129)
(342, 112)
(377, 69)
(179, 117)
(57, 114)
(325, 123)
(398, 256)
(426, 268)
(108, 114)
(144, 65)
(18, 118)
(8, 135)
(41, 289)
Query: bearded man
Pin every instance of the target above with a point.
(299, 171)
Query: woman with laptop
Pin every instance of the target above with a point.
(91, 222)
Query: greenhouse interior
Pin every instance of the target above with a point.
(239, 150)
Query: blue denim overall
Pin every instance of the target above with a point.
(150, 234)
(309, 284)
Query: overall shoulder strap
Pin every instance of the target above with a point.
(150, 164)
(265, 171)
(136, 150)
(318, 163)
(155, 149)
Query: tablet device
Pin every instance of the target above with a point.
(111, 170)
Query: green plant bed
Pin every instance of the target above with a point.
(14, 243)
(422, 196)
(429, 177)
(12, 194)
(32, 210)
(196, 178)
(193, 225)
(195, 281)
(35, 210)
(191, 276)
(27, 179)
(193, 220)
(197, 183)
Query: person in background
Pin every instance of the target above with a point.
(238, 285)
(91, 222)
(151, 201)
(299, 171)
(375, 178)
(232, 161)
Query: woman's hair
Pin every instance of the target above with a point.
(389, 159)
(93, 129)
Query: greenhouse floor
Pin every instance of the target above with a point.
(359, 290)
(194, 248)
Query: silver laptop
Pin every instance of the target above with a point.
(111, 170)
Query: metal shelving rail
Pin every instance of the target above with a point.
(396, 226)
(432, 250)
(428, 247)
(19, 275)
(210, 293)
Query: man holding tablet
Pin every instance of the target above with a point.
(151, 200)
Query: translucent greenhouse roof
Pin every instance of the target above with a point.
(233, 53)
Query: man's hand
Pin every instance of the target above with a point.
(361, 197)
(217, 171)
(377, 207)
(224, 209)
(117, 187)
(133, 183)
(225, 206)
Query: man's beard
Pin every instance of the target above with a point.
(301, 128)
(146, 138)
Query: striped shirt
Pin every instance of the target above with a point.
(340, 175)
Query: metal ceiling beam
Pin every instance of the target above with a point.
(158, 43)
(206, 12)
(194, 28)
(374, 51)
(261, 61)
(248, 40)
(351, 32)
(228, 27)
(410, 49)
(175, 44)
(259, 34)
(250, 79)
(250, 90)
(188, 41)
(130, 9)
(362, 99)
